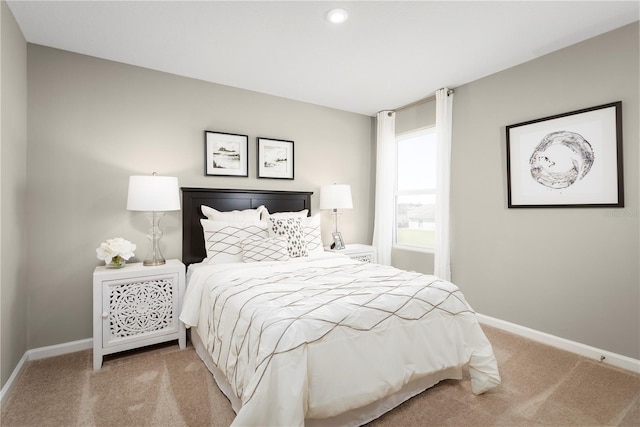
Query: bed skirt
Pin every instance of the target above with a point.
(352, 418)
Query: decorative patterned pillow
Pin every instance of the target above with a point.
(291, 228)
(222, 238)
(270, 249)
(244, 215)
(313, 234)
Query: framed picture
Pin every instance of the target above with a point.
(338, 243)
(275, 158)
(568, 160)
(226, 154)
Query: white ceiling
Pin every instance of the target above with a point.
(388, 54)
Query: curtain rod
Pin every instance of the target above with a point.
(421, 101)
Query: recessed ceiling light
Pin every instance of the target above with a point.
(337, 16)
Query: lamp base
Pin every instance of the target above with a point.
(155, 234)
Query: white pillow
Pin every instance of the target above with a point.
(270, 249)
(313, 234)
(244, 215)
(222, 238)
(292, 229)
(300, 214)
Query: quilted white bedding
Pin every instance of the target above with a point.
(315, 337)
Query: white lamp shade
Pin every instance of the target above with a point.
(336, 196)
(153, 193)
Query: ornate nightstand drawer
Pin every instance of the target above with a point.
(136, 306)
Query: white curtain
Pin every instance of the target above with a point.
(385, 186)
(442, 258)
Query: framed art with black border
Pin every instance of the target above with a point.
(567, 160)
(275, 158)
(226, 154)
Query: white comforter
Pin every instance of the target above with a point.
(316, 337)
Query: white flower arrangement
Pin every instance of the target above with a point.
(115, 251)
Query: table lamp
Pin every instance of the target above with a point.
(157, 195)
(335, 197)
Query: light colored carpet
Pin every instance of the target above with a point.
(166, 386)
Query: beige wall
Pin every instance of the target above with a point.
(419, 116)
(572, 273)
(13, 178)
(93, 123)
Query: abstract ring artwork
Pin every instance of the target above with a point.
(567, 160)
(561, 159)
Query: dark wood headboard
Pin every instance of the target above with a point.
(228, 200)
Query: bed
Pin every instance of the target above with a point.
(316, 338)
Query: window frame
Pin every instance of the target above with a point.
(397, 193)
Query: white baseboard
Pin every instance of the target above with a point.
(41, 353)
(8, 386)
(59, 349)
(594, 353)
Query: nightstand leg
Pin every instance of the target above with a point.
(97, 360)
(182, 339)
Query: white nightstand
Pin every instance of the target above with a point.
(365, 253)
(136, 306)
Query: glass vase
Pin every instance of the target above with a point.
(117, 262)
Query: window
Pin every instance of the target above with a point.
(416, 189)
